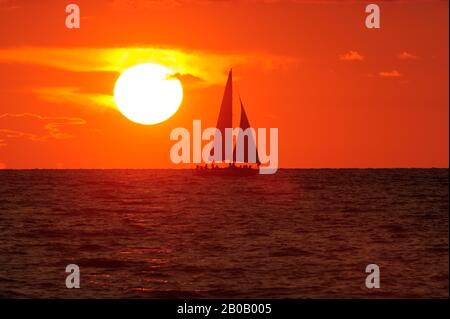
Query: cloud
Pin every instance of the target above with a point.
(62, 95)
(407, 56)
(351, 56)
(35, 127)
(390, 74)
(211, 67)
(197, 68)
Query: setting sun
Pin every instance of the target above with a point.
(148, 93)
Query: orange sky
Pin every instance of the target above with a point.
(341, 95)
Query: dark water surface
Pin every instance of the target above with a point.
(167, 233)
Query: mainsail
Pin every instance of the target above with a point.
(226, 113)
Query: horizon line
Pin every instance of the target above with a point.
(178, 169)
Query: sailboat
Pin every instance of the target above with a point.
(234, 166)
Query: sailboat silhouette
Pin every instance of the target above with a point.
(237, 165)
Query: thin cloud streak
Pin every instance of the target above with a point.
(43, 128)
(62, 95)
(407, 56)
(351, 56)
(390, 74)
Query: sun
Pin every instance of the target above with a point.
(148, 93)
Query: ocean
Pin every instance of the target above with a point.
(170, 234)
